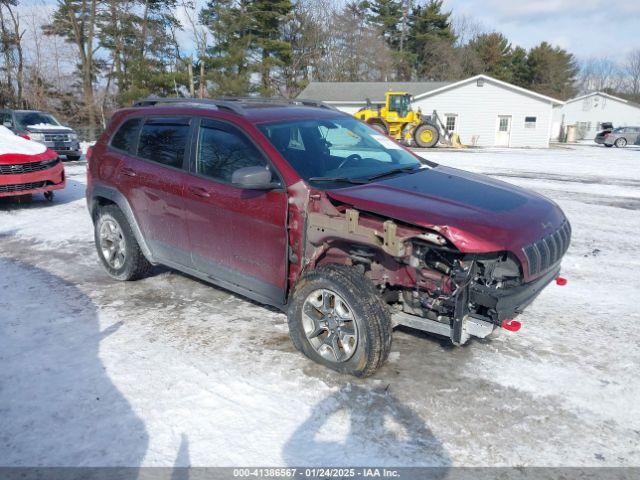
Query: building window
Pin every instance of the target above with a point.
(451, 121)
(530, 122)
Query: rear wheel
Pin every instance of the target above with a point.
(608, 145)
(337, 319)
(426, 135)
(117, 246)
(621, 142)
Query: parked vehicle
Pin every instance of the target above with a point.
(312, 211)
(396, 119)
(28, 167)
(607, 128)
(621, 137)
(43, 128)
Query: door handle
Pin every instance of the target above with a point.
(128, 172)
(199, 192)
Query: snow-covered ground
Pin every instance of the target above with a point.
(171, 371)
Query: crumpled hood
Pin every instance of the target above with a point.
(475, 212)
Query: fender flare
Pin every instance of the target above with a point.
(109, 193)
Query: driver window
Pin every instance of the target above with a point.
(222, 151)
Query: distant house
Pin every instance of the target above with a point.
(482, 110)
(588, 113)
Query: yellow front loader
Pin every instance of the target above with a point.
(396, 119)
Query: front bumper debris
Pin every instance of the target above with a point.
(503, 304)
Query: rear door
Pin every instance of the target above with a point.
(155, 178)
(237, 236)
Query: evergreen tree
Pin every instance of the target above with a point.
(391, 19)
(429, 30)
(552, 71)
(386, 15)
(228, 59)
(520, 72)
(76, 21)
(266, 31)
(494, 55)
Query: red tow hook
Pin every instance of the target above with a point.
(561, 281)
(511, 325)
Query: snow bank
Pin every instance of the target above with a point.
(11, 143)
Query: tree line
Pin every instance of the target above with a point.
(83, 58)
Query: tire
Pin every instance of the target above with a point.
(608, 145)
(74, 158)
(379, 127)
(363, 353)
(131, 263)
(620, 142)
(426, 135)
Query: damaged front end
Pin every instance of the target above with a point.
(425, 280)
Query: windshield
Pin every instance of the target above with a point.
(338, 150)
(399, 104)
(26, 119)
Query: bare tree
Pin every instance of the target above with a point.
(466, 28)
(11, 40)
(600, 74)
(632, 73)
(201, 39)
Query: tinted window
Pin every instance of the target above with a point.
(127, 135)
(5, 117)
(222, 152)
(27, 119)
(164, 140)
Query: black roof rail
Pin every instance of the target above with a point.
(235, 104)
(280, 101)
(203, 102)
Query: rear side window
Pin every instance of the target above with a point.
(127, 135)
(164, 140)
(221, 151)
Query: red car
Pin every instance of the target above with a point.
(28, 167)
(297, 205)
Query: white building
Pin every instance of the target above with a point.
(482, 110)
(589, 112)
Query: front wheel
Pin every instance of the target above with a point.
(426, 135)
(621, 142)
(337, 319)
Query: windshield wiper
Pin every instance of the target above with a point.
(392, 172)
(356, 181)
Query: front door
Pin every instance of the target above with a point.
(503, 133)
(238, 236)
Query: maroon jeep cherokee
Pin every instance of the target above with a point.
(305, 208)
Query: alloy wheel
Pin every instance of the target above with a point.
(112, 243)
(329, 325)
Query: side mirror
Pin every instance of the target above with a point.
(8, 124)
(253, 178)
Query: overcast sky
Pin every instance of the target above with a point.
(584, 27)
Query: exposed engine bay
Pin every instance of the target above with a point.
(427, 283)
